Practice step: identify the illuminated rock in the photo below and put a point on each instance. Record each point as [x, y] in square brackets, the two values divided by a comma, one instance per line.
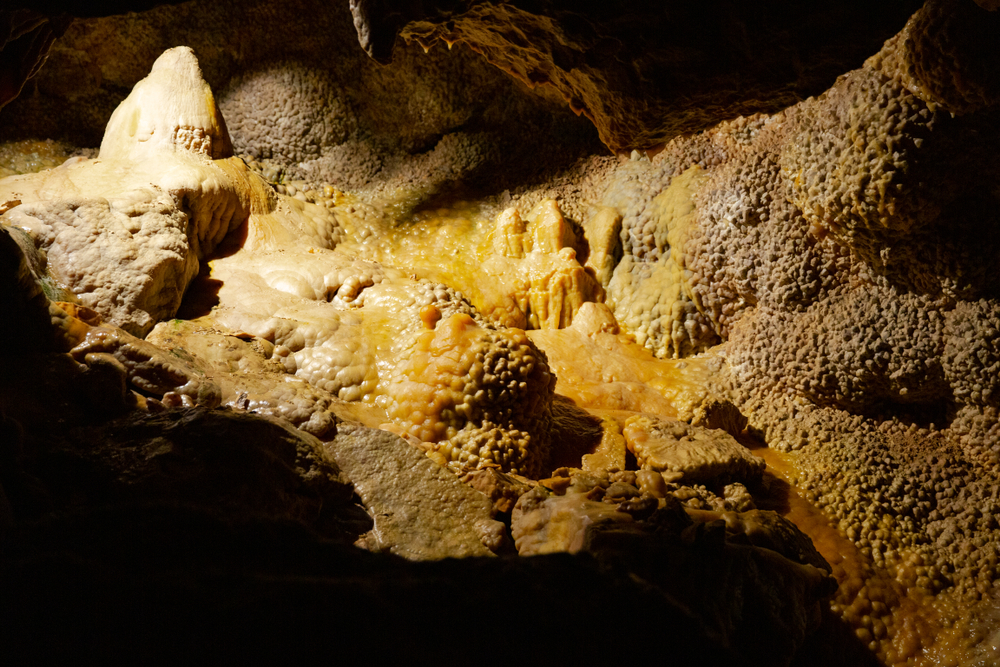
[821, 281]
[421, 511]
[699, 455]
[126, 232]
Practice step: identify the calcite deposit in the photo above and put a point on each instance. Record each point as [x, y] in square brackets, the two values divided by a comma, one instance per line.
[418, 310]
[125, 232]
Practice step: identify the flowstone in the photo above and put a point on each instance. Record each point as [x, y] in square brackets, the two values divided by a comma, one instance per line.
[614, 352]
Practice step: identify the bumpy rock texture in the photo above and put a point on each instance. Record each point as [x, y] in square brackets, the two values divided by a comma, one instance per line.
[125, 232]
[821, 281]
[845, 250]
[477, 397]
[617, 517]
[648, 72]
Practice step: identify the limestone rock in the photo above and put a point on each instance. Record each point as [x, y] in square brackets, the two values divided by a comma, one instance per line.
[655, 300]
[502, 489]
[601, 370]
[688, 553]
[544, 524]
[768, 530]
[125, 233]
[421, 511]
[477, 396]
[700, 455]
[603, 233]
[172, 109]
[286, 111]
[253, 380]
[537, 263]
[717, 413]
[610, 452]
[148, 368]
[613, 66]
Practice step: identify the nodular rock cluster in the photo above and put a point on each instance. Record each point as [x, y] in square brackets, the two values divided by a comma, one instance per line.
[822, 277]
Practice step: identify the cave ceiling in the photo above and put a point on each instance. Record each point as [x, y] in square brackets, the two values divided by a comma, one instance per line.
[642, 73]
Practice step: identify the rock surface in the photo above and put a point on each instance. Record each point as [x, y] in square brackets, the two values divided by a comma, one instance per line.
[699, 455]
[126, 232]
[712, 551]
[831, 267]
[614, 65]
[421, 511]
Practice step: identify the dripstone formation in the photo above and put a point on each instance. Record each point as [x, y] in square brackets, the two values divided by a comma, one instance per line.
[279, 299]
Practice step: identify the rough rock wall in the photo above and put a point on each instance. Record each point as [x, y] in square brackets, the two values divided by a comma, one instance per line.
[844, 249]
[343, 118]
[642, 74]
[648, 71]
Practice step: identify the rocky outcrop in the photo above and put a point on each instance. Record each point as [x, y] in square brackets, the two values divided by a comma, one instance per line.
[750, 555]
[421, 511]
[649, 72]
[821, 281]
[125, 233]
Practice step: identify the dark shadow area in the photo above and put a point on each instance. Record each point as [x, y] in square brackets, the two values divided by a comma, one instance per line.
[163, 585]
[834, 644]
[923, 415]
[202, 294]
[575, 433]
[772, 494]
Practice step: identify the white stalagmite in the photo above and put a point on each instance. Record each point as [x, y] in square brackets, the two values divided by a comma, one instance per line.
[126, 232]
[171, 110]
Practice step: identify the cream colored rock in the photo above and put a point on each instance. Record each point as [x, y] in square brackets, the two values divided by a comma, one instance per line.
[551, 232]
[171, 110]
[359, 331]
[253, 380]
[594, 318]
[126, 232]
[535, 265]
[603, 232]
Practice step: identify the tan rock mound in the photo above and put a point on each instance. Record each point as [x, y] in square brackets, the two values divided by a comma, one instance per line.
[701, 455]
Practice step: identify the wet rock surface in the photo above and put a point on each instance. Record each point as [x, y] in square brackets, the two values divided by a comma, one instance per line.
[818, 283]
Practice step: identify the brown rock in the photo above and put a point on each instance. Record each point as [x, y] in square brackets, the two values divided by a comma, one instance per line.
[501, 488]
[646, 72]
[233, 466]
[719, 413]
[421, 511]
[543, 524]
[702, 455]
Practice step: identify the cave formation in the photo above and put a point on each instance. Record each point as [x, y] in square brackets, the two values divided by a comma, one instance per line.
[672, 326]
